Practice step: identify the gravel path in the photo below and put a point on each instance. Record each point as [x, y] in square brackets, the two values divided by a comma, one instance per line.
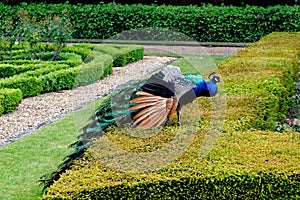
[36, 112]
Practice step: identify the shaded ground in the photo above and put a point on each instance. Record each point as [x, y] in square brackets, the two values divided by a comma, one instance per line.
[193, 50]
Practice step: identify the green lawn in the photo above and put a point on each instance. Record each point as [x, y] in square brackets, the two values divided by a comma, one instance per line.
[198, 64]
[24, 161]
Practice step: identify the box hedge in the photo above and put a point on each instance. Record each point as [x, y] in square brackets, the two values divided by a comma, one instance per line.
[9, 98]
[78, 76]
[34, 77]
[7, 70]
[47, 68]
[97, 69]
[263, 75]
[31, 86]
[230, 171]
[122, 55]
[80, 50]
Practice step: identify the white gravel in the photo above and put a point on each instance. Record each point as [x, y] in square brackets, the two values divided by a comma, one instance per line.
[36, 112]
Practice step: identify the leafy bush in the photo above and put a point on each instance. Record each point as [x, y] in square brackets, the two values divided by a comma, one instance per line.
[29, 31]
[9, 98]
[203, 23]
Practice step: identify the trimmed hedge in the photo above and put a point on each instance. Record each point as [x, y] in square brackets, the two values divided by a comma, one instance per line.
[44, 70]
[122, 55]
[262, 76]
[7, 70]
[78, 76]
[31, 86]
[230, 171]
[205, 23]
[98, 64]
[82, 51]
[9, 98]
[98, 68]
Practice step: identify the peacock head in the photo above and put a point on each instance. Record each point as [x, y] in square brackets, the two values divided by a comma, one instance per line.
[214, 79]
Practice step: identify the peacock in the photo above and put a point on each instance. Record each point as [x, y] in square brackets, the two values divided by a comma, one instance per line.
[141, 104]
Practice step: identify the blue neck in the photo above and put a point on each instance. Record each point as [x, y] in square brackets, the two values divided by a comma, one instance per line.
[207, 89]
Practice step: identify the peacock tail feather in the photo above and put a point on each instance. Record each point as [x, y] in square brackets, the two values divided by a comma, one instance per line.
[113, 110]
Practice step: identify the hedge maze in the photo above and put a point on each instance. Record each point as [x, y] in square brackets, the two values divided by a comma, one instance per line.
[76, 65]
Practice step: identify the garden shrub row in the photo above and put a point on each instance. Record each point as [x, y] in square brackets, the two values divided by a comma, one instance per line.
[205, 23]
[78, 76]
[262, 75]
[122, 54]
[245, 163]
[230, 171]
[68, 72]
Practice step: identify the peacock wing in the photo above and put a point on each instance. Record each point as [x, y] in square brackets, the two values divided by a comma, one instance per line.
[168, 82]
[152, 110]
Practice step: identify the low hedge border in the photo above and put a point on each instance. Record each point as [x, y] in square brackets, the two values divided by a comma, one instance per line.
[122, 54]
[31, 86]
[78, 76]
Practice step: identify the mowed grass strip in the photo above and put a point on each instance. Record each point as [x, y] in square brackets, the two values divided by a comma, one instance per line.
[24, 161]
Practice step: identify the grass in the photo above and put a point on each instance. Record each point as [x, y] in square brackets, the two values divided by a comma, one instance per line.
[24, 161]
[191, 64]
[194, 64]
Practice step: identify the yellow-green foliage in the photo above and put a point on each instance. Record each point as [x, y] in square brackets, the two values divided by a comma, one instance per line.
[259, 81]
[244, 162]
[241, 165]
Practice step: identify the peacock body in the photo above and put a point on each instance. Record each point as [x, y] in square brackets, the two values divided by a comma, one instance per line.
[141, 104]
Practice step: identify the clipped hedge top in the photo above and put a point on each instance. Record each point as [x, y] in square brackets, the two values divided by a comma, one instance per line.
[252, 153]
